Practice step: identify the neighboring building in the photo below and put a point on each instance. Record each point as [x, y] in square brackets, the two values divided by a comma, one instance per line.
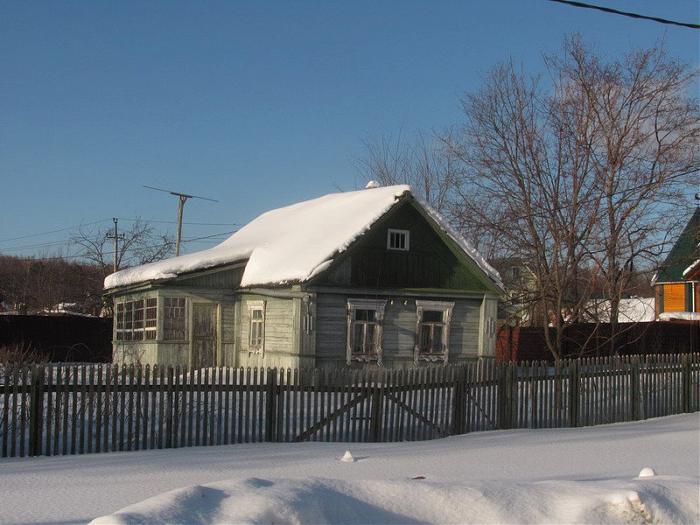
[677, 282]
[519, 306]
[630, 310]
[370, 277]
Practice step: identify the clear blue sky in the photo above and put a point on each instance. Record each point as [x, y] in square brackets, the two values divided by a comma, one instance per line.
[257, 104]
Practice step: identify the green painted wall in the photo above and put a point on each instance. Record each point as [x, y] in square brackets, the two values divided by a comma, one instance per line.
[432, 262]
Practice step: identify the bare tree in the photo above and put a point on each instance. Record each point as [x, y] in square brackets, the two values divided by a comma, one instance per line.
[644, 154]
[427, 163]
[422, 163]
[140, 244]
[527, 180]
[580, 179]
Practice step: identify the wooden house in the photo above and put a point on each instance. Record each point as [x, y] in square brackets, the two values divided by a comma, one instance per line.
[362, 278]
[677, 282]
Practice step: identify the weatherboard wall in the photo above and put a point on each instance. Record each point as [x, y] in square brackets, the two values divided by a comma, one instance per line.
[399, 329]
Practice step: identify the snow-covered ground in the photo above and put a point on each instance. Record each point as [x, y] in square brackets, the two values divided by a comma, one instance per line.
[522, 476]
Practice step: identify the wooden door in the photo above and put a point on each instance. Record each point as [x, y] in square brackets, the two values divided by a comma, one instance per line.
[203, 335]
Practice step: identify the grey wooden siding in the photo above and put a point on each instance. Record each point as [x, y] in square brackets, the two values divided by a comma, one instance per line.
[280, 337]
[464, 329]
[399, 330]
[331, 329]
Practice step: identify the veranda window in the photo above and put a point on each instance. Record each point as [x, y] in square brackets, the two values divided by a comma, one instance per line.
[432, 330]
[137, 320]
[174, 319]
[365, 330]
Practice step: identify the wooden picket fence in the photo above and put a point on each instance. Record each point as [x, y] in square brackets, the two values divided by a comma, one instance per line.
[61, 409]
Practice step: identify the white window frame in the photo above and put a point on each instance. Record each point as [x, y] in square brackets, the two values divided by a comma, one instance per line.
[256, 306]
[378, 305]
[184, 318]
[446, 308]
[407, 243]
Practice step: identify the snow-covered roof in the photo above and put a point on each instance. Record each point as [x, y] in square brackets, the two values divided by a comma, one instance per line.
[294, 243]
[691, 268]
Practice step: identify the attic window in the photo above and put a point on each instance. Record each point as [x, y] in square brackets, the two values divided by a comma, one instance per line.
[397, 240]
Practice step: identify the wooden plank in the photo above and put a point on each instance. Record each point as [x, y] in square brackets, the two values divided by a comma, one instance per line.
[182, 406]
[122, 408]
[261, 406]
[197, 412]
[6, 411]
[145, 434]
[49, 409]
[91, 409]
[106, 410]
[227, 405]
[169, 423]
[191, 380]
[248, 405]
[138, 415]
[130, 409]
[256, 419]
[57, 409]
[220, 406]
[154, 421]
[239, 394]
[66, 410]
[161, 424]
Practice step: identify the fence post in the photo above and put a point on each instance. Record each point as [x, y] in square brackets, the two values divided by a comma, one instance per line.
[685, 383]
[574, 384]
[36, 410]
[376, 418]
[635, 389]
[270, 409]
[458, 407]
[504, 396]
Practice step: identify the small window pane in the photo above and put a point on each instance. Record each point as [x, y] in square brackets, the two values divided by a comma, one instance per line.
[432, 316]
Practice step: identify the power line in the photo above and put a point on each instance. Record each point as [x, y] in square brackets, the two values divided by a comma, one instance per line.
[627, 13]
[128, 219]
[82, 256]
[54, 231]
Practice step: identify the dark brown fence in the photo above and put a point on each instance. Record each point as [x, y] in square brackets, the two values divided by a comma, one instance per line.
[59, 337]
[515, 343]
[48, 410]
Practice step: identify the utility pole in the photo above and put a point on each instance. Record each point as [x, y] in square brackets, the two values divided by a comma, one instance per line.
[180, 208]
[182, 199]
[115, 236]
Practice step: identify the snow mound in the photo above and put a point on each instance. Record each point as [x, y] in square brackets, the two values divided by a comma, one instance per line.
[270, 244]
[347, 457]
[647, 472]
[318, 500]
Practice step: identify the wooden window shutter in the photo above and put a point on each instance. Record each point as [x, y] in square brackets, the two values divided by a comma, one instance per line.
[674, 297]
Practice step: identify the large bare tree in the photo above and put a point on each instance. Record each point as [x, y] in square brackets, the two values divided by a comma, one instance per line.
[582, 174]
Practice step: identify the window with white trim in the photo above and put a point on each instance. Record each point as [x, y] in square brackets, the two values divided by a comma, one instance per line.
[365, 317]
[432, 330]
[137, 320]
[174, 319]
[398, 240]
[256, 336]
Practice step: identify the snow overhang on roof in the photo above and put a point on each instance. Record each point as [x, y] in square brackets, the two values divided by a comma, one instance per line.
[691, 268]
[294, 243]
